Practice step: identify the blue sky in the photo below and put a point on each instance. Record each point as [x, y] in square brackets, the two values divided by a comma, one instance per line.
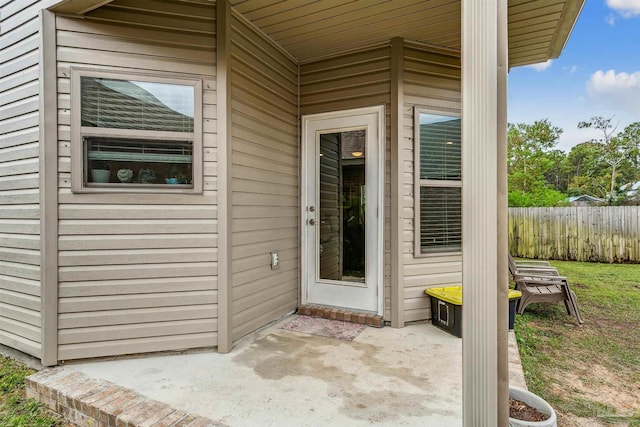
[597, 74]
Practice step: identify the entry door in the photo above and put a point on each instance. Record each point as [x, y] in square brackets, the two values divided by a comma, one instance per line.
[342, 213]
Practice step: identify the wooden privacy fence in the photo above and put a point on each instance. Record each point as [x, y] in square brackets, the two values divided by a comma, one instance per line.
[580, 233]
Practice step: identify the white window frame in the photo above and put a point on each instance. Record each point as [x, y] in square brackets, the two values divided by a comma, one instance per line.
[419, 183]
[78, 132]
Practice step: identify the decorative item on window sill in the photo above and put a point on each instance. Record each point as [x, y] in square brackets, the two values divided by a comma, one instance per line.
[177, 175]
[125, 175]
[100, 172]
[146, 176]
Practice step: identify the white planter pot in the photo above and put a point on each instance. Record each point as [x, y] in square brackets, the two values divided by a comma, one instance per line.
[100, 175]
[534, 401]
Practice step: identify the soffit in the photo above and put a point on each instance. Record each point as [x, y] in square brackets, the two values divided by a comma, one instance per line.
[311, 29]
[79, 7]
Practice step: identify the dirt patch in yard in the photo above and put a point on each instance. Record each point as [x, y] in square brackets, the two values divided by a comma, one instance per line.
[579, 286]
[598, 384]
[570, 420]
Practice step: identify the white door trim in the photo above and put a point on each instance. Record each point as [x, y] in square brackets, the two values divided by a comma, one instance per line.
[379, 111]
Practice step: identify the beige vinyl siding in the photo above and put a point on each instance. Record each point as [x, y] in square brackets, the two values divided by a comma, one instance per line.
[138, 272]
[20, 305]
[432, 82]
[264, 179]
[361, 79]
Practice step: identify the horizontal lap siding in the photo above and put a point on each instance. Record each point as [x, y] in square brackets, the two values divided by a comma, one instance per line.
[356, 80]
[19, 176]
[264, 180]
[138, 273]
[431, 81]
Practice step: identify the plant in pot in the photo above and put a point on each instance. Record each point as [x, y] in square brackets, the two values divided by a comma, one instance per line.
[100, 171]
[176, 175]
[527, 409]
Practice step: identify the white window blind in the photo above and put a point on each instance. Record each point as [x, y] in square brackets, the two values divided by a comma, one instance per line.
[440, 218]
[439, 184]
[440, 150]
[129, 104]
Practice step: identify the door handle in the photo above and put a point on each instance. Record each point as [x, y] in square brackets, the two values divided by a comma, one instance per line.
[312, 221]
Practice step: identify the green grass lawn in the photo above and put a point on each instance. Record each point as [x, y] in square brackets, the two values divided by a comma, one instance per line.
[15, 409]
[589, 373]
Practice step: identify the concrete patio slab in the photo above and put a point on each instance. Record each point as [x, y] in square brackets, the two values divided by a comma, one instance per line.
[386, 377]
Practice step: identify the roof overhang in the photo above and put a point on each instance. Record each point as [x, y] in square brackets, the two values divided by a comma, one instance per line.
[539, 29]
[308, 30]
[78, 7]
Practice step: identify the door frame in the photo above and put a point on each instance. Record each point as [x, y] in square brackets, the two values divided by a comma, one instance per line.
[379, 111]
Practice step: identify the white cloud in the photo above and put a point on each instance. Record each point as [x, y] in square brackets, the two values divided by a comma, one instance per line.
[611, 19]
[541, 66]
[616, 91]
[573, 69]
[572, 136]
[626, 8]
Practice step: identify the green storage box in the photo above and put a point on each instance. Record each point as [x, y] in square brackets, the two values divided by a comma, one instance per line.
[446, 308]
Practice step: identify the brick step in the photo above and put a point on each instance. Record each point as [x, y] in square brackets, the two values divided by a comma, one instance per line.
[88, 402]
[345, 315]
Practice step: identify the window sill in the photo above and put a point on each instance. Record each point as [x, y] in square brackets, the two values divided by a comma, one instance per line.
[438, 254]
[138, 188]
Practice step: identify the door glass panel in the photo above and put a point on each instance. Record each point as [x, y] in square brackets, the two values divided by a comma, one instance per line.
[341, 228]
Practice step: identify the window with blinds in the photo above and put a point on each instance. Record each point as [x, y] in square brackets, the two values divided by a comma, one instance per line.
[136, 132]
[131, 104]
[438, 184]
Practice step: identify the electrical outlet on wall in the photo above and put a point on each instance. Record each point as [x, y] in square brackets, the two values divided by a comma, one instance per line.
[275, 260]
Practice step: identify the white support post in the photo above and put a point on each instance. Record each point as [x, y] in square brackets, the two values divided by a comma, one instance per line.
[484, 300]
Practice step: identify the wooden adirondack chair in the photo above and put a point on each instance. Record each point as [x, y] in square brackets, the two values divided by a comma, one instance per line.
[531, 267]
[543, 284]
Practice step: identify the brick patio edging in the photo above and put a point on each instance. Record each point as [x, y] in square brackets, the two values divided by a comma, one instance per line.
[88, 402]
[331, 313]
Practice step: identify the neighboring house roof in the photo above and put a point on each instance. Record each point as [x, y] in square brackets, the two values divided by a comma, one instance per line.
[585, 198]
[538, 29]
[632, 188]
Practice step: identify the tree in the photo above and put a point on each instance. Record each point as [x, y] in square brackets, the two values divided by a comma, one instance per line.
[557, 175]
[530, 162]
[587, 173]
[542, 197]
[631, 138]
[614, 149]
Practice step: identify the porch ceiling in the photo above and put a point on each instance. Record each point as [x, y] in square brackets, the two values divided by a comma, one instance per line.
[311, 29]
